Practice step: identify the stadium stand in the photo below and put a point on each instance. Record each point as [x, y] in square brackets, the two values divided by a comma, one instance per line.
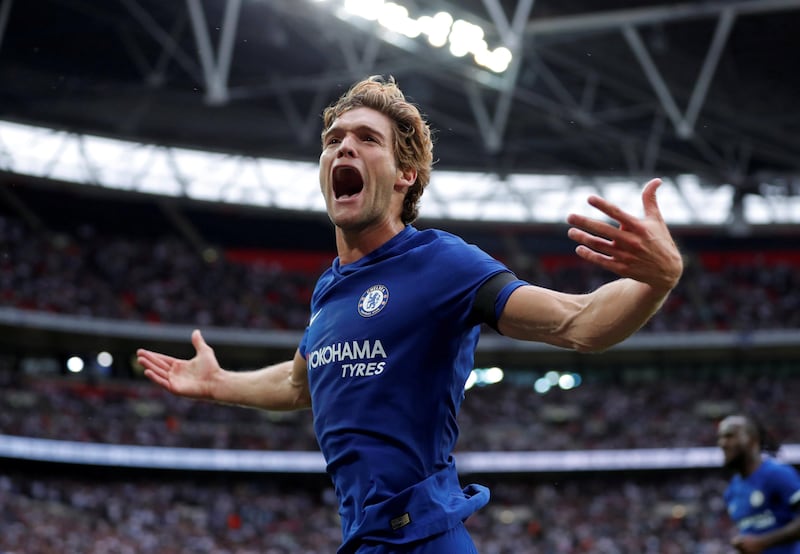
[137, 267]
[170, 513]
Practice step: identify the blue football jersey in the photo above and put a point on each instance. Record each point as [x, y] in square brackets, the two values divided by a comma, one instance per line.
[765, 500]
[389, 346]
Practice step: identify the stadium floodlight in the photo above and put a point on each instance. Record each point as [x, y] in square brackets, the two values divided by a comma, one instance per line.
[492, 375]
[368, 9]
[75, 364]
[463, 36]
[484, 376]
[566, 381]
[105, 359]
[542, 385]
[436, 28]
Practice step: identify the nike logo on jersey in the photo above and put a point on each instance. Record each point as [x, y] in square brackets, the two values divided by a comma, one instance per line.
[314, 316]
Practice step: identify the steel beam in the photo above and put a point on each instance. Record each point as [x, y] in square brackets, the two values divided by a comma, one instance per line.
[612, 20]
[215, 68]
[5, 10]
[698, 97]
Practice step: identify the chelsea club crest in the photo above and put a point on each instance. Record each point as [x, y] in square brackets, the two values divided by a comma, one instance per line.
[373, 300]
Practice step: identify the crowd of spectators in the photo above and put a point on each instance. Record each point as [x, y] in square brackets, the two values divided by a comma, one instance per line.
[129, 514]
[670, 410]
[167, 280]
[157, 281]
[133, 277]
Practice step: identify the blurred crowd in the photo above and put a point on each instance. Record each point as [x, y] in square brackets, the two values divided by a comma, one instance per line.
[166, 280]
[143, 280]
[129, 514]
[670, 410]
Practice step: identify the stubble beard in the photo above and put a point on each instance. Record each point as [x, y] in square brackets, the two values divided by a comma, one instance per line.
[355, 223]
[736, 463]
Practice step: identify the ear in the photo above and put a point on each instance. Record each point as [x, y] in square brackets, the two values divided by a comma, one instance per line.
[405, 178]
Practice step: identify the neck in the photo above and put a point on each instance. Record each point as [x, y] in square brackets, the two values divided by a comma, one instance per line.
[354, 244]
[751, 464]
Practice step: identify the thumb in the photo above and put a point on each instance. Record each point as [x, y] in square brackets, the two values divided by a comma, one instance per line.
[649, 200]
[197, 341]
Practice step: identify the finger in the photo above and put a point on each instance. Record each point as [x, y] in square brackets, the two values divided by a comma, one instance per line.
[155, 360]
[154, 372]
[157, 378]
[157, 367]
[649, 200]
[583, 225]
[591, 241]
[613, 211]
[602, 260]
[197, 341]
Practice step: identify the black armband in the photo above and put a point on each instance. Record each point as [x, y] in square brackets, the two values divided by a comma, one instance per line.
[483, 308]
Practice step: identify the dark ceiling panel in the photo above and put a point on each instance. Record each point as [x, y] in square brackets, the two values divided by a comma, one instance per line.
[582, 102]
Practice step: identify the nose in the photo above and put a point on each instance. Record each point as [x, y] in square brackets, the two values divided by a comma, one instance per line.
[346, 148]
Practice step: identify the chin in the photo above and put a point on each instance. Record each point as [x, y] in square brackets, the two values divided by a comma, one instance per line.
[346, 223]
[734, 464]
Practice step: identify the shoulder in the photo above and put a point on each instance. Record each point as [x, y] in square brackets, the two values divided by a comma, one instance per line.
[323, 282]
[446, 242]
[780, 472]
[429, 236]
[775, 465]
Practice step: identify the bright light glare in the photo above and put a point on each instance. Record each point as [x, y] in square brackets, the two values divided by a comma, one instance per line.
[471, 380]
[483, 377]
[368, 9]
[105, 359]
[395, 18]
[437, 28]
[75, 364]
[492, 375]
[464, 37]
[497, 60]
[542, 385]
[566, 381]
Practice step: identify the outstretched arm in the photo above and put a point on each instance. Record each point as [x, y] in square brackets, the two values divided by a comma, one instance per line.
[282, 386]
[640, 251]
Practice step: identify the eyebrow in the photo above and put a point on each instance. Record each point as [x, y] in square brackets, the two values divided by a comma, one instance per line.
[360, 128]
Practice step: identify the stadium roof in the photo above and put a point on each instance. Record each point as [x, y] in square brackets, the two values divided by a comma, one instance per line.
[602, 89]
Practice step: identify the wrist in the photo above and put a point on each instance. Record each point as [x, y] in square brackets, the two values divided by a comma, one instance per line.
[218, 386]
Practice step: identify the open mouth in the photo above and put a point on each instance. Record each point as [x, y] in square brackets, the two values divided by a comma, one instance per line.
[347, 182]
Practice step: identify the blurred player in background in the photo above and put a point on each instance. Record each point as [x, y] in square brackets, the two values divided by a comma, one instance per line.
[395, 320]
[763, 497]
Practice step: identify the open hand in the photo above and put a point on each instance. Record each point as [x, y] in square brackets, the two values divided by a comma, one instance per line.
[641, 249]
[191, 378]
